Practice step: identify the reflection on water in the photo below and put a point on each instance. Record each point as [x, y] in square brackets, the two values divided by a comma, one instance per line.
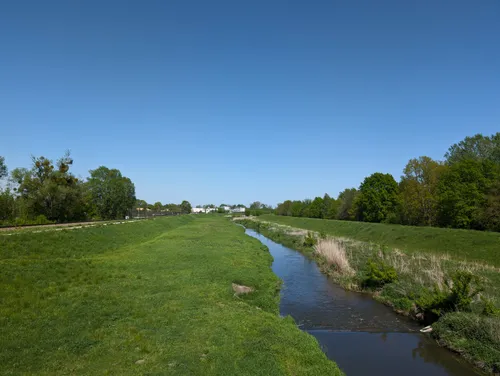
[362, 336]
[361, 353]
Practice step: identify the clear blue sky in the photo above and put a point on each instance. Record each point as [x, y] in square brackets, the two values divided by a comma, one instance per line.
[232, 101]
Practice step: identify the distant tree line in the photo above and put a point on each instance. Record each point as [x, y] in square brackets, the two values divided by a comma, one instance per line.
[143, 209]
[463, 191]
[48, 192]
[257, 208]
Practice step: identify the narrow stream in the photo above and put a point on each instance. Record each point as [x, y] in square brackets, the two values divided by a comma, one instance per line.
[361, 335]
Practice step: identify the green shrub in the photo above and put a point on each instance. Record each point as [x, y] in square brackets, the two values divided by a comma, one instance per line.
[434, 301]
[402, 304]
[463, 288]
[20, 221]
[310, 240]
[41, 220]
[489, 308]
[472, 335]
[400, 295]
[378, 273]
[392, 219]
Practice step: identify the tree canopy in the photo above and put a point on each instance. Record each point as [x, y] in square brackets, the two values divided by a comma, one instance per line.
[465, 191]
[377, 199]
[418, 188]
[185, 207]
[477, 147]
[3, 167]
[112, 195]
[50, 190]
[461, 192]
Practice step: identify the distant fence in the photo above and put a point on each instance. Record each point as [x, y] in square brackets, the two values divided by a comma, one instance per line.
[144, 214]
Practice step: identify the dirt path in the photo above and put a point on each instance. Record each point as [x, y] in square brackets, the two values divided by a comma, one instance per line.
[72, 224]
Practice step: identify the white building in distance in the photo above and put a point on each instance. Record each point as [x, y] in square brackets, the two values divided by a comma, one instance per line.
[238, 210]
[202, 210]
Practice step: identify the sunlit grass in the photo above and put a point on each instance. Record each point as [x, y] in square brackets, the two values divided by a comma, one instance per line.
[469, 245]
[150, 297]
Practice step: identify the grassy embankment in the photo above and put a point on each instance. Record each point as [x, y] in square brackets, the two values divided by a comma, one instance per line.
[424, 260]
[152, 297]
[460, 244]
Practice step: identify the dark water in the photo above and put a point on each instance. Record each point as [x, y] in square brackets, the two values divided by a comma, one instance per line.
[362, 336]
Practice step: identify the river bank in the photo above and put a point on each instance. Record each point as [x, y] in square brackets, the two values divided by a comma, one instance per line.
[472, 334]
[361, 335]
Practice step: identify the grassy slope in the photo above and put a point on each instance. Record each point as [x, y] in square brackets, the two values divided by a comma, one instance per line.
[462, 244]
[97, 300]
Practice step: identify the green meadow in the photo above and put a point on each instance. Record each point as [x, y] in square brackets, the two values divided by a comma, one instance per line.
[146, 298]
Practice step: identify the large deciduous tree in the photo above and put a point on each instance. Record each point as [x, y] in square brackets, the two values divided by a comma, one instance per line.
[315, 209]
[378, 198]
[418, 188]
[330, 207]
[345, 204]
[255, 205]
[50, 190]
[465, 191]
[112, 195]
[477, 147]
[284, 208]
[297, 208]
[490, 217]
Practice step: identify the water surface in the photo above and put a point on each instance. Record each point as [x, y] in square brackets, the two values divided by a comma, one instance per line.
[361, 335]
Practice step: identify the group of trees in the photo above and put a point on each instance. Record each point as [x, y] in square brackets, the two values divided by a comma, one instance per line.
[159, 209]
[257, 208]
[463, 191]
[50, 192]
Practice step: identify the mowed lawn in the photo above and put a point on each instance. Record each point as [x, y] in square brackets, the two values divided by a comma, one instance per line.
[467, 245]
[146, 298]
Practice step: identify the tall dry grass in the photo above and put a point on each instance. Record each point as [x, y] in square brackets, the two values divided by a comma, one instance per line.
[335, 255]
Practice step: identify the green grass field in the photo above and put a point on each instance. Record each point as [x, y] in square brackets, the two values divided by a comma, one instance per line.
[460, 244]
[152, 297]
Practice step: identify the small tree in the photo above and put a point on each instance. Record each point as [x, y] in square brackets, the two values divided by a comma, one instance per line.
[157, 206]
[112, 195]
[256, 205]
[185, 207]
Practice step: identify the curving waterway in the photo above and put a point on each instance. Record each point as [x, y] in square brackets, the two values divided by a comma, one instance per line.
[362, 336]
